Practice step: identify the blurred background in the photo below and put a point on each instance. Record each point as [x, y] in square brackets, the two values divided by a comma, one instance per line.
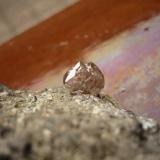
[18, 15]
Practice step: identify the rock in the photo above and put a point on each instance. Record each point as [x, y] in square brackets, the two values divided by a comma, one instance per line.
[52, 124]
[84, 78]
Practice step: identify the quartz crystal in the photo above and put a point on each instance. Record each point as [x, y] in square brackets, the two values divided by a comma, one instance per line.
[84, 78]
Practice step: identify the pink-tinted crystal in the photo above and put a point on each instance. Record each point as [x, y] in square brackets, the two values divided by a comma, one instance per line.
[84, 78]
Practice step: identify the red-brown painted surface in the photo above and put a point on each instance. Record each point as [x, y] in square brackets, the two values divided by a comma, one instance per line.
[62, 39]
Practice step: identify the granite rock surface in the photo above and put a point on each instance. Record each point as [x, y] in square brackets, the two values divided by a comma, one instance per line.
[54, 125]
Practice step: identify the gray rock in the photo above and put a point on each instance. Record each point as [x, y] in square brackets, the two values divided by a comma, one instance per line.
[52, 124]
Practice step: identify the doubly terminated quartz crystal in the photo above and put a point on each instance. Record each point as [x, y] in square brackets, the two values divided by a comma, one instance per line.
[84, 78]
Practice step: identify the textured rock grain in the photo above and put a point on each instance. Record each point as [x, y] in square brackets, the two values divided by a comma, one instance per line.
[52, 124]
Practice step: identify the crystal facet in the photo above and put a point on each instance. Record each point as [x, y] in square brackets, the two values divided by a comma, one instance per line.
[84, 78]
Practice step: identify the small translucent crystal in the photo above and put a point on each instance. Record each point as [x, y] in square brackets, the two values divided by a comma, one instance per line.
[84, 78]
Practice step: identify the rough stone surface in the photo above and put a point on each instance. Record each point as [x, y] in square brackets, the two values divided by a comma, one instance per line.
[52, 124]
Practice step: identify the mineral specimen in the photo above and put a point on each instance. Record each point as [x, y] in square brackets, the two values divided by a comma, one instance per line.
[84, 78]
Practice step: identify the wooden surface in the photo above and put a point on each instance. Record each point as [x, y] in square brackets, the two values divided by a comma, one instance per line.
[66, 36]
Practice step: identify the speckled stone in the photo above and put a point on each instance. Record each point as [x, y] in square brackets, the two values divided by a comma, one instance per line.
[54, 125]
[84, 78]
